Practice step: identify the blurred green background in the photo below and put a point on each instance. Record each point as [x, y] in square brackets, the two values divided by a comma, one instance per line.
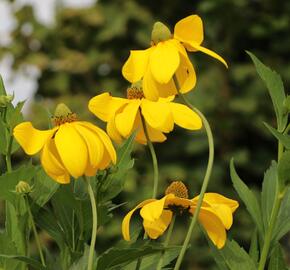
[81, 54]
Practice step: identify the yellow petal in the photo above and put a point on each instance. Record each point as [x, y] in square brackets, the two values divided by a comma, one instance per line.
[185, 75]
[52, 163]
[164, 61]
[157, 115]
[135, 66]
[125, 120]
[127, 219]
[213, 226]
[104, 106]
[155, 135]
[185, 203]
[185, 117]
[215, 198]
[209, 52]
[152, 89]
[189, 29]
[72, 149]
[113, 132]
[31, 139]
[94, 145]
[104, 139]
[156, 228]
[152, 211]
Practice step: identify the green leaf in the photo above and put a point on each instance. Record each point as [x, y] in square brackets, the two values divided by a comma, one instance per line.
[4, 137]
[247, 197]
[283, 138]
[82, 263]
[283, 221]
[270, 188]
[2, 87]
[232, 257]
[33, 263]
[275, 87]
[284, 168]
[277, 261]
[114, 183]
[118, 257]
[254, 248]
[43, 188]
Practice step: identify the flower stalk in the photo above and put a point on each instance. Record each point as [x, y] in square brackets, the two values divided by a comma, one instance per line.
[95, 224]
[205, 180]
[30, 216]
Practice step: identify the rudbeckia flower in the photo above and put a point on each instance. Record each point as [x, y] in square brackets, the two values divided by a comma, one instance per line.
[123, 116]
[72, 147]
[167, 57]
[157, 214]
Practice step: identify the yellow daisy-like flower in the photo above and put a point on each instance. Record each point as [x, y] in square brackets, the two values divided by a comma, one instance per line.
[123, 116]
[216, 213]
[72, 147]
[168, 57]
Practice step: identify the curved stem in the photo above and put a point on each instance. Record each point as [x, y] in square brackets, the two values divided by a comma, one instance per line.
[154, 159]
[34, 231]
[166, 243]
[205, 180]
[95, 224]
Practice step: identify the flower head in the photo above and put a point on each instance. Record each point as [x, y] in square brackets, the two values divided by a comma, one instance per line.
[215, 214]
[167, 57]
[123, 116]
[72, 147]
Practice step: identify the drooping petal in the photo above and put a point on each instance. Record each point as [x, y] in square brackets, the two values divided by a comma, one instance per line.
[94, 145]
[189, 29]
[154, 134]
[164, 61]
[213, 226]
[156, 228]
[185, 75]
[135, 66]
[113, 132]
[157, 115]
[215, 198]
[127, 219]
[197, 47]
[152, 211]
[125, 120]
[104, 138]
[52, 163]
[72, 149]
[104, 105]
[152, 89]
[31, 139]
[185, 117]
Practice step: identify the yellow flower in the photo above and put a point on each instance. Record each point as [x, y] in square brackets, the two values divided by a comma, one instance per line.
[215, 213]
[123, 116]
[167, 57]
[72, 147]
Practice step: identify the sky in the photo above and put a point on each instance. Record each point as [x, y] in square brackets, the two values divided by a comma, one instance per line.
[23, 83]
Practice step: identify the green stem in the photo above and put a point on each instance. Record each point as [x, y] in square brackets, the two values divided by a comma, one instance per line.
[95, 224]
[268, 236]
[8, 154]
[166, 243]
[154, 159]
[34, 231]
[205, 180]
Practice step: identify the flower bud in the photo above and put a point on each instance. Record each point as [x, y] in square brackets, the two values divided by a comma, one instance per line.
[63, 114]
[23, 188]
[160, 32]
[5, 100]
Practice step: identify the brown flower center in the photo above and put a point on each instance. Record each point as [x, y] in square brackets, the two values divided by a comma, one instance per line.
[63, 115]
[178, 189]
[135, 93]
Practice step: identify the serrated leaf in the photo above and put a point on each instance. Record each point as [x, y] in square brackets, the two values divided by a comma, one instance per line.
[232, 257]
[270, 189]
[283, 138]
[284, 168]
[283, 221]
[275, 87]
[248, 198]
[277, 261]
